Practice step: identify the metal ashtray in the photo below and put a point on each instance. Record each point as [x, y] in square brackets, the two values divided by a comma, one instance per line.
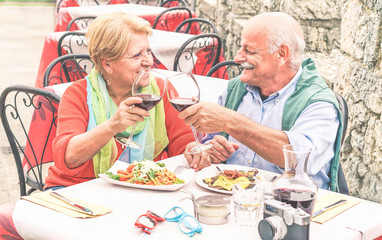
[213, 209]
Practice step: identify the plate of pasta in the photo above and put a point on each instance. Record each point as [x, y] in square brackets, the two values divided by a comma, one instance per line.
[146, 174]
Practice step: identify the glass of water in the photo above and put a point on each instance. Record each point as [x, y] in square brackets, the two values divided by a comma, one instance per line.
[248, 199]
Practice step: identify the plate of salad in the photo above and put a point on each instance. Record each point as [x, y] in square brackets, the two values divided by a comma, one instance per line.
[146, 174]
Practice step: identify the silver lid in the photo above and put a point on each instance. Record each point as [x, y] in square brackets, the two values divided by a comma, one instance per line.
[214, 200]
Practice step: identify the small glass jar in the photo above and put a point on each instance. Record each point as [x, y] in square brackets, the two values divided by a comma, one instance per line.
[213, 209]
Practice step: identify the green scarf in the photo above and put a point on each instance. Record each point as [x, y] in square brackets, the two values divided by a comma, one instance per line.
[102, 107]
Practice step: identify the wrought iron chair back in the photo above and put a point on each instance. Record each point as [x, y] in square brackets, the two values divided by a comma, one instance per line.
[225, 70]
[72, 43]
[196, 26]
[67, 68]
[80, 23]
[173, 3]
[29, 118]
[170, 18]
[146, 2]
[201, 52]
[342, 184]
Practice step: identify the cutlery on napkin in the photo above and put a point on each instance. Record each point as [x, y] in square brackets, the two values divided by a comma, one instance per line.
[45, 199]
[329, 199]
[330, 206]
[71, 203]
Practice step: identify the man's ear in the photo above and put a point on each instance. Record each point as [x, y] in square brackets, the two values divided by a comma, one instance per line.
[283, 52]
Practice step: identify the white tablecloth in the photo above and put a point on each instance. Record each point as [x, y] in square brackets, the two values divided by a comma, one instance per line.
[210, 88]
[36, 222]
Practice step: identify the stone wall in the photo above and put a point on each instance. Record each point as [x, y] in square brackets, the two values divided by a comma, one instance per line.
[344, 38]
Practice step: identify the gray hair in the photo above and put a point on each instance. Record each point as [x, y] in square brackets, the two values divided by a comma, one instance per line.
[279, 35]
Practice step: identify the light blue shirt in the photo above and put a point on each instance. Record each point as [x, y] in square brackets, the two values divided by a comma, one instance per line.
[316, 128]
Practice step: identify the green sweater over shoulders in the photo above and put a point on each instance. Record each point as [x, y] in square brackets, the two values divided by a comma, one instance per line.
[310, 88]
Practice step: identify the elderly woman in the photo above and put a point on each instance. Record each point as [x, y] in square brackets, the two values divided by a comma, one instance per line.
[94, 110]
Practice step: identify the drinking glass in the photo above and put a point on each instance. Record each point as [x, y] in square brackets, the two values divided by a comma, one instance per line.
[248, 199]
[149, 98]
[185, 93]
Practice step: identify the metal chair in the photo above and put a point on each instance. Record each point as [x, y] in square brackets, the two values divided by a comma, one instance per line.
[72, 43]
[198, 54]
[80, 23]
[145, 2]
[173, 3]
[342, 185]
[68, 68]
[225, 70]
[196, 26]
[170, 18]
[29, 117]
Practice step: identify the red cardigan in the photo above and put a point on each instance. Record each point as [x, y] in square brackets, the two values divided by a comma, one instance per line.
[73, 117]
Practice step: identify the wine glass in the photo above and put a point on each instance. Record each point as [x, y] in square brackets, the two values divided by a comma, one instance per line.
[183, 91]
[150, 98]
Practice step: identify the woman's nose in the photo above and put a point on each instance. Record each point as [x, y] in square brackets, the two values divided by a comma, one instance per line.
[147, 60]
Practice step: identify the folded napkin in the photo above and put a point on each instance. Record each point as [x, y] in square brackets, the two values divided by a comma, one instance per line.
[46, 200]
[329, 199]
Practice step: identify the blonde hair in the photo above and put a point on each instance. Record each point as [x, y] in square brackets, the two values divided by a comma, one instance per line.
[109, 35]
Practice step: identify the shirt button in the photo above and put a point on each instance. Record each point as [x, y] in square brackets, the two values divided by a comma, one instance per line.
[277, 100]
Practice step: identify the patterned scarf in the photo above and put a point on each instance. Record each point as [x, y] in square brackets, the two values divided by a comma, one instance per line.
[150, 133]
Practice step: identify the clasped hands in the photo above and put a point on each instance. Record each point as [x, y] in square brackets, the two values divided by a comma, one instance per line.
[209, 118]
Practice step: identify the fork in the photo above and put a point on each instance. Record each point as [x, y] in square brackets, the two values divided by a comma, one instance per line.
[179, 169]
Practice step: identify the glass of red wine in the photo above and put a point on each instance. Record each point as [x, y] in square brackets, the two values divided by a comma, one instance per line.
[183, 91]
[150, 98]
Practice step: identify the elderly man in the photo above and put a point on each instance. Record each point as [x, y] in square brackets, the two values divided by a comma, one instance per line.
[278, 99]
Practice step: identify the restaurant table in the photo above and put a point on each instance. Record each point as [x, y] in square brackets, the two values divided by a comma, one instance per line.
[210, 88]
[32, 221]
[64, 15]
[164, 45]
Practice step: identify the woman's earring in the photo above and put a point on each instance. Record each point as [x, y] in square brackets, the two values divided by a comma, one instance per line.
[108, 82]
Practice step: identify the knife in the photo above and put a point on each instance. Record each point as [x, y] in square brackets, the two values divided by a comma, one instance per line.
[333, 205]
[77, 206]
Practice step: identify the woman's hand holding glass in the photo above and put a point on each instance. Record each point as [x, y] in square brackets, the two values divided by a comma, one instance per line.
[127, 115]
[148, 100]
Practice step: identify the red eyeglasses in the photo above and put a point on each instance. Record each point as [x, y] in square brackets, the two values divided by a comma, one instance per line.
[148, 221]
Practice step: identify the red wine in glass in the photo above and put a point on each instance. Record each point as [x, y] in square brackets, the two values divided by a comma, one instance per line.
[302, 199]
[182, 103]
[148, 101]
[143, 80]
[183, 92]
